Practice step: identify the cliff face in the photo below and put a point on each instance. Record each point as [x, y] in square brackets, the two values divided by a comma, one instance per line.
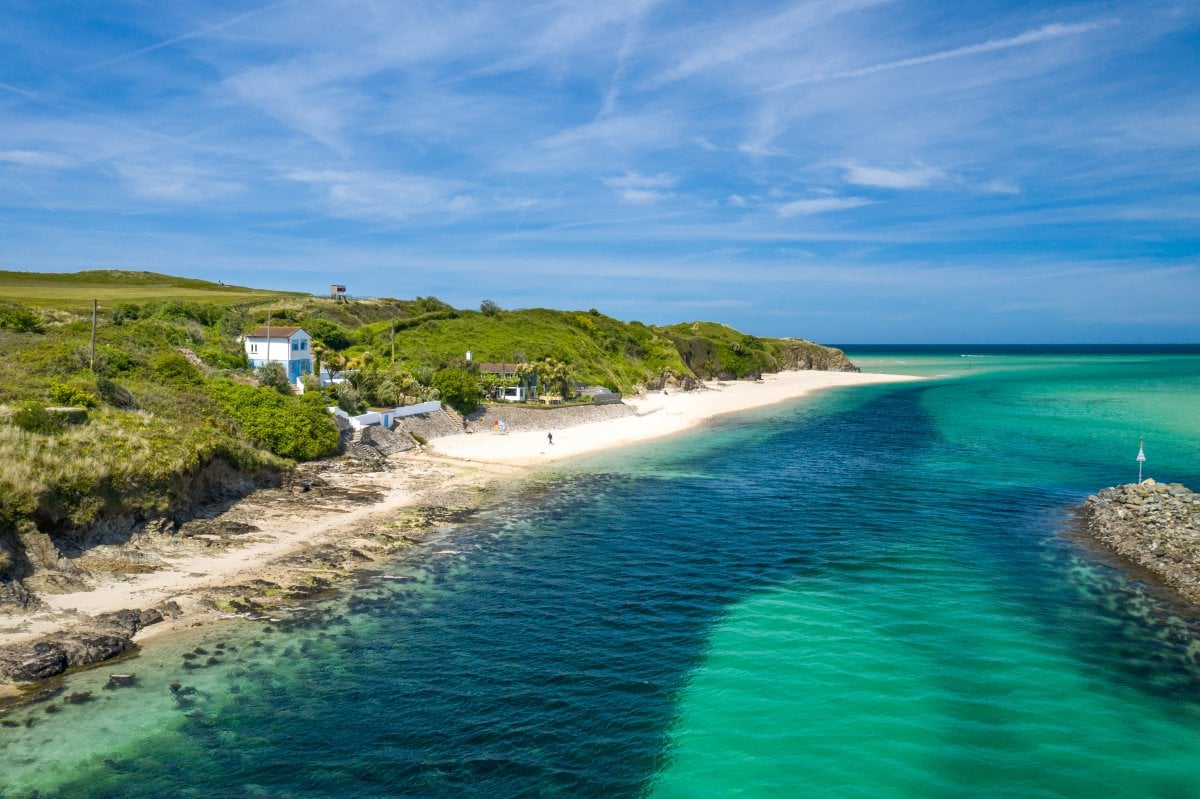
[800, 354]
[55, 557]
[1157, 526]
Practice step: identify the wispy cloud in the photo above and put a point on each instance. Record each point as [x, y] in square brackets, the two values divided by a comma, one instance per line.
[384, 196]
[1030, 37]
[639, 189]
[35, 158]
[193, 34]
[175, 183]
[821, 205]
[917, 177]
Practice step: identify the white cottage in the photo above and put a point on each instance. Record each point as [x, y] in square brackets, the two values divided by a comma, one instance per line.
[289, 346]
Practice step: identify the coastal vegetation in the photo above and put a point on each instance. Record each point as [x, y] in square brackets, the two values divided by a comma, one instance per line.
[123, 426]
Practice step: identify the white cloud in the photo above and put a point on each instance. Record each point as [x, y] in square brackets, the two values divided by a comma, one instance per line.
[386, 196]
[1000, 186]
[918, 177]
[177, 183]
[1042, 34]
[759, 36]
[35, 158]
[637, 189]
[821, 205]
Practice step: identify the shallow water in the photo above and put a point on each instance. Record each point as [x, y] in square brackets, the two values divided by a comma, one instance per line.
[864, 594]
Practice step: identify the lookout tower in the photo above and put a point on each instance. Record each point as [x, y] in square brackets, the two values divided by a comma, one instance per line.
[338, 292]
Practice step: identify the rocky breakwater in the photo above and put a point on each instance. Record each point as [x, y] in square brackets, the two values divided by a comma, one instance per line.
[1155, 525]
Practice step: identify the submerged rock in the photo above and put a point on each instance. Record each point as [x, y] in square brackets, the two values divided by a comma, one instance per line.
[1157, 526]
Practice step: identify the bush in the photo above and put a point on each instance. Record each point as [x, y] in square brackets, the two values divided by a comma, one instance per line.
[175, 370]
[115, 395]
[327, 333]
[459, 389]
[222, 359]
[348, 398]
[124, 312]
[297, 427]
[489, 308]
[71, 396]
[20, 318]
[33, 418]
[272, 375]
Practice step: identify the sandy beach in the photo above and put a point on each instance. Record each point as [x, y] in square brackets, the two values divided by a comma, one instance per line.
[658, 414]
[355, 517]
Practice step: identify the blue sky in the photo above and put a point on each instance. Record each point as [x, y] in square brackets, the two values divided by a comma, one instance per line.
[842, 170]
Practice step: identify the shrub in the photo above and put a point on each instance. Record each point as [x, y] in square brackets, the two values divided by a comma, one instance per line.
[33, 418]
[297, 427]
[113, 394]
[69, 395]
[348, 398]
[327, 333]
[124, 312]
[273, 376]
[222, 359]
[489, 308]
[20, 318]
[459, 389]
[175, 370]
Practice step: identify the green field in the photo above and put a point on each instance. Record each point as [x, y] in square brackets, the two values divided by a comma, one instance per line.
[74, 291]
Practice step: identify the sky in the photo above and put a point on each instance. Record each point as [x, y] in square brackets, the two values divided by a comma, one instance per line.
[847, 171]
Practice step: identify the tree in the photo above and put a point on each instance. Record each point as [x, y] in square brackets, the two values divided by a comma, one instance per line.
[489, 308]
[459, 389]
[554, 375]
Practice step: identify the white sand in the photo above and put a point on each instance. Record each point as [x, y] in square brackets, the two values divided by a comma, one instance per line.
[658, 415]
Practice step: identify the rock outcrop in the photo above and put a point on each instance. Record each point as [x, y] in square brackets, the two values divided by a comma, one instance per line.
[104, 637]
[1155, 525]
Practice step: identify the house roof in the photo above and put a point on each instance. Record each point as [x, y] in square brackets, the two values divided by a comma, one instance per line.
[498, 368]
[277, 331]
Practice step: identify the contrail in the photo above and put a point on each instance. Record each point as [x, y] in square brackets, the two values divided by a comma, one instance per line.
[191, 35]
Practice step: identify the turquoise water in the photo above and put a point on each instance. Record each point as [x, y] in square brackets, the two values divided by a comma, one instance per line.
[875, 592]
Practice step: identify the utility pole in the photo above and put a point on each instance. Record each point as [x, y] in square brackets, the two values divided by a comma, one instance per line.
[92, 350]
[393, 341]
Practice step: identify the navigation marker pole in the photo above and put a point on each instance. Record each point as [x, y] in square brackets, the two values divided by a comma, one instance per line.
[1141, 458]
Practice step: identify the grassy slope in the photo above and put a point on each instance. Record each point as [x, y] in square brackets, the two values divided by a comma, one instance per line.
[74, 291]
[598, 349]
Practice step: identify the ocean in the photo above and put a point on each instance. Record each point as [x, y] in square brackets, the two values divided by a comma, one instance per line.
[873, 592]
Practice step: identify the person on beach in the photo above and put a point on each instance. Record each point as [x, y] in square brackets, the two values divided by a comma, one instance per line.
[550, 437]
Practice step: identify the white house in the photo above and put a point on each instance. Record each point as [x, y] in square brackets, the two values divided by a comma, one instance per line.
[513, 389]
[289, 346]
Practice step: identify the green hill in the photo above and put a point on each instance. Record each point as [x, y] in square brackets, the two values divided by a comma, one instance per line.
[74, 291]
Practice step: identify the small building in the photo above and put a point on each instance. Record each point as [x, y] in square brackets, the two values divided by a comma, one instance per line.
[512, 388]
[337, 292]
[289, 346]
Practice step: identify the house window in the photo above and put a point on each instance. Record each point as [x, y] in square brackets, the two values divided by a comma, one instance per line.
[303, 344]
[253, 349]
[295, 346]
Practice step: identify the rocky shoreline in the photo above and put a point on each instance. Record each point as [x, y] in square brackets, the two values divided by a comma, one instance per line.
[1154, 525]
[48, 637]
